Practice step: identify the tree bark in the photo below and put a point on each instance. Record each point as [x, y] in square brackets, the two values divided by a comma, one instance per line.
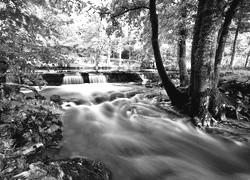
[204, 56]
[197, 28]
[181, 55]
[234, 44]
[176, 97]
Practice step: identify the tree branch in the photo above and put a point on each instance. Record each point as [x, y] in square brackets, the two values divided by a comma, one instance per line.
[128, 10]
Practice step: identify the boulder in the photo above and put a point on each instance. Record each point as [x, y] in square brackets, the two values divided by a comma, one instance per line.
[56, 99]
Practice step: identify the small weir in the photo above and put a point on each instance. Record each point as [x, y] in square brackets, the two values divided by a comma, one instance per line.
[78, 79]
[97, 78]
[73, 79]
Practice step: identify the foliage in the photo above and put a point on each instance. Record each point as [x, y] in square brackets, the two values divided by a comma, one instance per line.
[30, 34]
[135, 13]
[26, 125]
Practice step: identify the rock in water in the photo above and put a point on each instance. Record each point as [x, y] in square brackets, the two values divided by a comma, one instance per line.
[56, 99]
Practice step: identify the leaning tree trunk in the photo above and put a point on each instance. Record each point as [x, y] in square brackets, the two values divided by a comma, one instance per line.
[176, 97]
[203, 60]
[223, 38]
[216, 106]
[181, 55]
[234, 44]
[196, 33]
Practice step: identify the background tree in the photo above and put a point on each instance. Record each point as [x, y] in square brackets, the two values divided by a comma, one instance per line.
[172, 25]
[27, 36]
[242, 25]
[181, 55]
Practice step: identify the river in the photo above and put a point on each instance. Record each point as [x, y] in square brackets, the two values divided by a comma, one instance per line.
[136, 140]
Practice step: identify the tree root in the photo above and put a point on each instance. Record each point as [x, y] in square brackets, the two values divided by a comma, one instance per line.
[204, 120]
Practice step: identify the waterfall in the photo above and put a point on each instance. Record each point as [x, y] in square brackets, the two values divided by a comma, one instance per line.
[73, 79]
[97, 78]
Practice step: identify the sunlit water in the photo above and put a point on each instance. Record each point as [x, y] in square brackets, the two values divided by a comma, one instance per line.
[138, 141]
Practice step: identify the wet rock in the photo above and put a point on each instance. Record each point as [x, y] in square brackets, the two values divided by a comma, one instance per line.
[77, 168]
[116, 95]
[56, 99]
[99, 97]
[130, 94]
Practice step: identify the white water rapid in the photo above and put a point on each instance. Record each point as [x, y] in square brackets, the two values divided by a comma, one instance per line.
[138, 141]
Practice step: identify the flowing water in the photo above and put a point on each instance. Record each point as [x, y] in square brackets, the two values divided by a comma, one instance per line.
[77, 79]
[138, 141]
[97, 78]
[73, 79]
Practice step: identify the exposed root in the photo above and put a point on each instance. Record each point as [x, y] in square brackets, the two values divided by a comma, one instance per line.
[205, 119]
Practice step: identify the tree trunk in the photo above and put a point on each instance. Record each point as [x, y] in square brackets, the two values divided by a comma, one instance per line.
[248, 54]
[216, 106]
[120, 52]
[176, 97]
[205, 93]
[234, 44]
[109, 54]
[197, 28]
[181, 55]
[203, 58]
[223, 38]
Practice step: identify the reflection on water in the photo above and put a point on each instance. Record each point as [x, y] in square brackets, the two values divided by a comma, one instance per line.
[138, 141]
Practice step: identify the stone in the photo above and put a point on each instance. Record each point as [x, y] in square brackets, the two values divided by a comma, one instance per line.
[56, 99]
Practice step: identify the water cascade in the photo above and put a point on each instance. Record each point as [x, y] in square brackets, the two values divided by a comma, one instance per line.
[72, 79]
[137, 140]
[97, 78]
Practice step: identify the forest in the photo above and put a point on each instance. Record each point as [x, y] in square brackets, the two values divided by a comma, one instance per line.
[206, 43]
